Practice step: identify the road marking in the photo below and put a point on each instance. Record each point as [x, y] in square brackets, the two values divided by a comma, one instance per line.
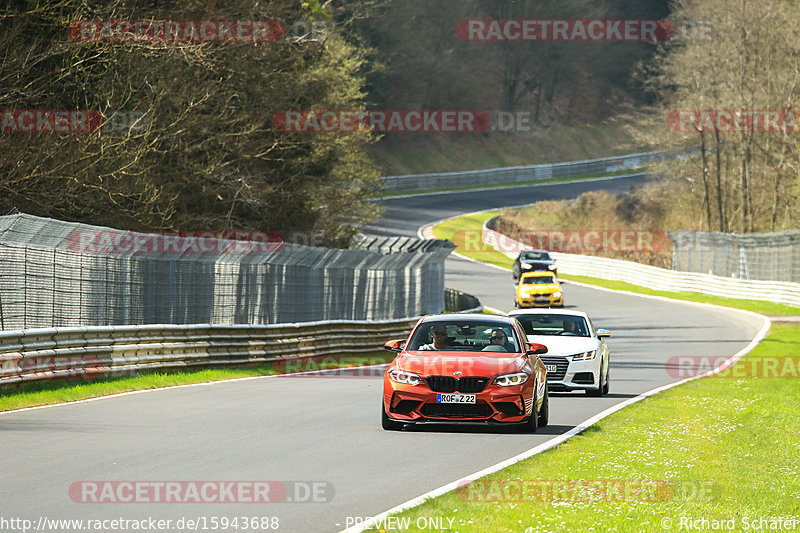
[173, 387]
[552, 443]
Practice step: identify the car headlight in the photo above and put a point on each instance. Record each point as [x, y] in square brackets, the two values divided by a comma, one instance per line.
[509, 380]
[557, 294]
[585, 356]
[526, 266]
[551, 267]
[407, 378]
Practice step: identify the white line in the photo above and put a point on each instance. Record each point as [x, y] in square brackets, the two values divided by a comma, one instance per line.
[552, 443]
[173, 387]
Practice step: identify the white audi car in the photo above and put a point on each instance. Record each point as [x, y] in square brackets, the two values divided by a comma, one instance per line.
[577, 355]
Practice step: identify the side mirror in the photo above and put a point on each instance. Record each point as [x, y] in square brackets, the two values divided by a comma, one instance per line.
[603, 333]
[534, 348]
[395, 346]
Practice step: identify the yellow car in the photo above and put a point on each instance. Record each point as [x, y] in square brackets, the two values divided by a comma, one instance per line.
[539, 289]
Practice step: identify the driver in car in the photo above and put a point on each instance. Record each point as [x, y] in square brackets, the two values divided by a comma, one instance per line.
[439, 339]
[499, 338]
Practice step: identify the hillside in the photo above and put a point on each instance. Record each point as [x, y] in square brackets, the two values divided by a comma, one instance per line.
[558, 100]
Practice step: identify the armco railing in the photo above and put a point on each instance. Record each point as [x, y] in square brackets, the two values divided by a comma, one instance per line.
[62, 274]
[457, 301]
[654, 277]
[494, 176]
[83, 352]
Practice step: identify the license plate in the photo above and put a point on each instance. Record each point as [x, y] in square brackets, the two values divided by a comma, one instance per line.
[551, 368]
[455, 398]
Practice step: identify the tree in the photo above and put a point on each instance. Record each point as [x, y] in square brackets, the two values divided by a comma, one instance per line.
[202, 152]
[733, 56]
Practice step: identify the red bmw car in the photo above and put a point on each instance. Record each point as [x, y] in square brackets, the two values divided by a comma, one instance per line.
[464, 368]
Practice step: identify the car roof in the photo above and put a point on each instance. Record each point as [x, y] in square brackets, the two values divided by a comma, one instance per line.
[467, 317]
[538, 273]
[547, 311]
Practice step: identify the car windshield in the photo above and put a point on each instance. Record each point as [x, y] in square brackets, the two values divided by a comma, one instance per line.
[554, 324]
[537, 280]
[534, 256]
[465, 337]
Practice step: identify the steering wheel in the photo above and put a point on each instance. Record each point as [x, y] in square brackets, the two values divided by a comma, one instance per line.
[494, 348]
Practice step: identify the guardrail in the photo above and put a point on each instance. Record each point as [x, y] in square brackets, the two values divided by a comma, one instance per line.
[457, 301]
[654, 277]
[495, 176]
[62, 274]
[85, 352]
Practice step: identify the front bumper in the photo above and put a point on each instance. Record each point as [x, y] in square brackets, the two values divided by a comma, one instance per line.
[540, 300]
[412, 404]
[572, 375]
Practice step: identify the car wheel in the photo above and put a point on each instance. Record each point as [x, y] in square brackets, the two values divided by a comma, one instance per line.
[532, 424]
[387, 423]
[516, 304]
[607, 386]
[544, 412]
[602, 387]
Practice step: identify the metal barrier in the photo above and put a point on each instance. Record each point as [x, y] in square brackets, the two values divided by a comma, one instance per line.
[85, 352]
[457, 301]
[763, 256]
[530, 173]
[61, 274]
[654, 277]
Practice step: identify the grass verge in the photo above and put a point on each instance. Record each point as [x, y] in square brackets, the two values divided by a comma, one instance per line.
[715, 453]
[52, 392]
[718, 448]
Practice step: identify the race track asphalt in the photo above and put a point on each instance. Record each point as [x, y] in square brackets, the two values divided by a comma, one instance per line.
[326, 429]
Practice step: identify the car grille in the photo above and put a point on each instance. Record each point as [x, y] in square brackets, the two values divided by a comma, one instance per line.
[471, 410]
[508, 408]
[404, 406]
[561, 365]
[448, 384]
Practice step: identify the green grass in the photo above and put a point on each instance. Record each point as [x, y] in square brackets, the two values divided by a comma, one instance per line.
[748, 305]
[465, 233]
[32, 394]
[513, 183]
[718, 448]
[715, 448]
